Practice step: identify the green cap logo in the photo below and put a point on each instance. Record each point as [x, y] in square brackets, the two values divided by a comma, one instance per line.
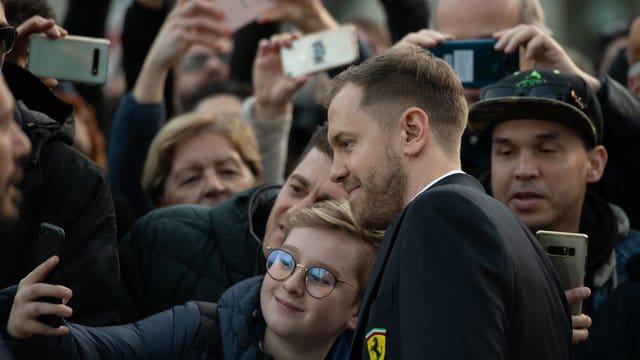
[534, 78]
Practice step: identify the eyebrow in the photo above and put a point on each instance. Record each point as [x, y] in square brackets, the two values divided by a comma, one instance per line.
[301, 179]
[337, 137]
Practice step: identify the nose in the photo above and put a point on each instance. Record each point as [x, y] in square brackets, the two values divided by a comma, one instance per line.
[527, 167]
[294, 284]
[20, 141]
[213, 185]
[339, 171]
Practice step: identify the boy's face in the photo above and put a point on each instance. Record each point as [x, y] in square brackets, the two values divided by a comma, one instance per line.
[290, 312]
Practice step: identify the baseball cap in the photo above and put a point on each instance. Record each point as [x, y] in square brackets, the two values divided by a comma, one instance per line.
[540, 95]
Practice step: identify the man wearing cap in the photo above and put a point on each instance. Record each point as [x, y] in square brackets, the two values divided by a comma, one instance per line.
[546, 131]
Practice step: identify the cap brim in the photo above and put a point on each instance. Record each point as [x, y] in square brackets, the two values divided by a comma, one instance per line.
[484, 115]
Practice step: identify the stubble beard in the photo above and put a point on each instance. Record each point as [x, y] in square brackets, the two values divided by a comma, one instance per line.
[383, 193]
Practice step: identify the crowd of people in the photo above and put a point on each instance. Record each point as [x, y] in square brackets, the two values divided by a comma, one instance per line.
[376, 210]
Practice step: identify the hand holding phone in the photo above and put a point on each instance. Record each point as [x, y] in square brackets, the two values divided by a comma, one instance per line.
[50, 243]
[568, 254]
[23, 322]
[320, 51]
[476, 61]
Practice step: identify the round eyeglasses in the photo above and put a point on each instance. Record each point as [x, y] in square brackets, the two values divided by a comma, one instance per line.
[318, 281]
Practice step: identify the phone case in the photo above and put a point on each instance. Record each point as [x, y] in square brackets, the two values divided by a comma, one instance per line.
[476, 61]
[568, 254]
[320, 51]
[51, 242]
[71, 58]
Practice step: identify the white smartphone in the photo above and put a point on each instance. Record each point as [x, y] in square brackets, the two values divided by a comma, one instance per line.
[568, 254]
[320, 51]
[71, 58]
[239, 13]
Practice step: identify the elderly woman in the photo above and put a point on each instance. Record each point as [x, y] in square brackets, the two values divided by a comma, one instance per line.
[201, 159]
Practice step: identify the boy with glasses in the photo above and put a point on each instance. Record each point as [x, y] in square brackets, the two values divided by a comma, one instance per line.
[301, 309]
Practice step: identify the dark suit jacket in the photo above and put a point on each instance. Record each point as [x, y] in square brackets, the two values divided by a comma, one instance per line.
[459, 277]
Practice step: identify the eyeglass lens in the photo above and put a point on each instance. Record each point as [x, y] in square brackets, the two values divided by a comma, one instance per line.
[319, 281]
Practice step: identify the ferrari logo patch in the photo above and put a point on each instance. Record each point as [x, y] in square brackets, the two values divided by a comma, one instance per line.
[376, 343]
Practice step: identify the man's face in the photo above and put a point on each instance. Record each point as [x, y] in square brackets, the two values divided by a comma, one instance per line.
[290, 312]
[308, 183]
[540, 170]
[14, 146]
[474, 19]
[365, 161]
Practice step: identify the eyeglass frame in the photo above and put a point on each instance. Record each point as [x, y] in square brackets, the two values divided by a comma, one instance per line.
[270, 250]
[13, 31]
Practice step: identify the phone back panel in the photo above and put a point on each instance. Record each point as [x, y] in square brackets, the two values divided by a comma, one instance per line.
[320, 51]
[72, 58]
[568, 254]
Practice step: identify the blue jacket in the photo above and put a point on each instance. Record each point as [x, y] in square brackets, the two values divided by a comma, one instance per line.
[185, 331]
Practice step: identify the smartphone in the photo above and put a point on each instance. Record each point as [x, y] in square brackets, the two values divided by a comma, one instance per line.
[51, 242]
[71, 58]
[320, 51]
[568, 254]
[476, 61]
[239, 13]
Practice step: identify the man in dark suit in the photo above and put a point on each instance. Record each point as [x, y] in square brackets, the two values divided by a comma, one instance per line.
[458, 276]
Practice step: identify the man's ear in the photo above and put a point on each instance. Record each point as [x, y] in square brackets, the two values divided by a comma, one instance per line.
[415, 130]
[353, 320]
[597, 161]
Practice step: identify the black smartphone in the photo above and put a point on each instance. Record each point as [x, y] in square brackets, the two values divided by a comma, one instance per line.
[476, 61]
[51, 242]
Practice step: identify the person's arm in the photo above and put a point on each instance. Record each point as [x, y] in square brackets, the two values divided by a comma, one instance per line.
[134, 127]
[142, 22]
[270, 110]
[168, 335]
[453, 282]
[621, 123]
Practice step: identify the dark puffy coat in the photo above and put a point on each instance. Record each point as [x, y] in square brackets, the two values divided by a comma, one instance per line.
[192, 252]
[62, 187]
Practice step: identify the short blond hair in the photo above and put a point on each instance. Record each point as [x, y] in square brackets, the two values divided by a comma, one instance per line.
[160, 155]
[336, 215]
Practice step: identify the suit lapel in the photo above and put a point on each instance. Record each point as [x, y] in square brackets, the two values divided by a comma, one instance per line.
[383, 255]
[374, 283]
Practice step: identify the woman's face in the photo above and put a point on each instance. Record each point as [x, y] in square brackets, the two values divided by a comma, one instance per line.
[206, 170]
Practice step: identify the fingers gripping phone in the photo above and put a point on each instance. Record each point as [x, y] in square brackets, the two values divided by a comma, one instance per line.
[72, 58]
[568, 254]
[51, 242]
[476, 61]
[320, 51]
